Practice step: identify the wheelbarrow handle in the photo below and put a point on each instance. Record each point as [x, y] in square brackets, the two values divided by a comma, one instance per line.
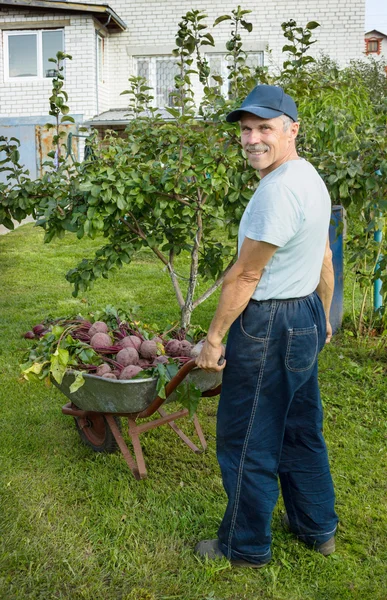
[169, 388]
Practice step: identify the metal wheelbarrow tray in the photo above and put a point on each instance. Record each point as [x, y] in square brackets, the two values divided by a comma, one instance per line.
[98, 405]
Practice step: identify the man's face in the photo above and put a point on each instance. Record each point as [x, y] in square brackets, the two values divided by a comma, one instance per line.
[266, 142]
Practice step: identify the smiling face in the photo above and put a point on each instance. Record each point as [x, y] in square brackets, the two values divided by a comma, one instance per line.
[268, 143]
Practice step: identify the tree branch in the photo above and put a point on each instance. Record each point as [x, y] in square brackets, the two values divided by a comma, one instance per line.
[175, 282]
[185, 202]
[142, 235]
[214, 286]
[188, 306]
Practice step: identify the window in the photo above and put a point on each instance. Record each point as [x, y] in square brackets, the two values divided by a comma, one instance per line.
[218, 65]
[26, 53]
[159, 71]
[100, 57]
[373, 46]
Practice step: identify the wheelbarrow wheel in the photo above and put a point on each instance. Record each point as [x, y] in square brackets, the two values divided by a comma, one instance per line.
[95, 432]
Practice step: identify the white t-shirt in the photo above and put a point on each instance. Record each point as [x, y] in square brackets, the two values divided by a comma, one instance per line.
[291, 209]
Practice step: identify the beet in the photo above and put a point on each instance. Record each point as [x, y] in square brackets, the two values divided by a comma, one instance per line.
[127, 356]
[109, 376]
[157, 339]
[161, 359]
[148, 349]
[29, 335]
[38, 329]
[98, 327]
[130, 372]
[144, 363]
[185, 348]
[103, 369]
[100, 340]
[173, 348]
[130, 341]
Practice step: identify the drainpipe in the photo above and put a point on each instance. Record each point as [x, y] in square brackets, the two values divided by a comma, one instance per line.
[378, 300]
[96, 72]
[96, 57]
[378, 236]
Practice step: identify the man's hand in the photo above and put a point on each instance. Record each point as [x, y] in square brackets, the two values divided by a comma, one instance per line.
[209, 357]
[326, 286]
[329, 333]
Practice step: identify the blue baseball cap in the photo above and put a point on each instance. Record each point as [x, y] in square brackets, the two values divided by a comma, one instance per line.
[267, 102]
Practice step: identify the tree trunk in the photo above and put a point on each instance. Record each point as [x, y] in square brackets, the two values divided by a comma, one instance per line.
[193, 275]
[186, 313]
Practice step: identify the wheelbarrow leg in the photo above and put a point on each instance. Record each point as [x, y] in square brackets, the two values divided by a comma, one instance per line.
[135, 439]
[182, 435]
[199, 431]
[138, 474]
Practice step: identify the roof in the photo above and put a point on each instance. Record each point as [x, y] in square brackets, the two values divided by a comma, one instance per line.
[118, 116]
[101, 11]
[376, 31]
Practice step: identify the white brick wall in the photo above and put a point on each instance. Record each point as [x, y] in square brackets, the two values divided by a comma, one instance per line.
[26, 98]
[153, 23]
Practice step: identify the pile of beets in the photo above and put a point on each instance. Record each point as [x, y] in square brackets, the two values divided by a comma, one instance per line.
[124, 352]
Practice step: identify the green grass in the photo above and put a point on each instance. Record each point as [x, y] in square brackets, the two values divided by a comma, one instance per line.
[76, 525]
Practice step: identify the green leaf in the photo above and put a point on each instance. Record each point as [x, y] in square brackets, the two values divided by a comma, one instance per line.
[77, 383]
[220, 19]
[312, 25]
[189, 396]
[57, 331]
[59, 362]
[95, 191]
[175, 112]
[343, 190]
[291, 49]
[209, 37]
[121, 204]
[36, 368]
[248, 26]
[67, 119]
[162, 380]
[135, 148]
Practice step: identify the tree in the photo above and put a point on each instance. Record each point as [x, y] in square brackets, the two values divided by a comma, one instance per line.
[181, 184]
[169, 185]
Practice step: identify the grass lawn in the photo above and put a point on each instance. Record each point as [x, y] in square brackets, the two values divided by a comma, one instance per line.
[76, 525]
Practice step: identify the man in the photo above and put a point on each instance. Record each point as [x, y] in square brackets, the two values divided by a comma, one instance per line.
[276, 299]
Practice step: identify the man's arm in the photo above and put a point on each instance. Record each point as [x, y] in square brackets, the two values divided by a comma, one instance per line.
[238, 286]
[326, 286]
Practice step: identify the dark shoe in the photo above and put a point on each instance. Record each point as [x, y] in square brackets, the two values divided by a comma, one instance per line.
[210, 549]
[326, 548]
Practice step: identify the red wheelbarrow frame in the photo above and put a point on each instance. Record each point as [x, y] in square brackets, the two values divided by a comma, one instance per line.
[136, 464]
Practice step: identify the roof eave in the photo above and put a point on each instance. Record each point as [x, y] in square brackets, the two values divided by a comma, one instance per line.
[375, 31]
[94, 9]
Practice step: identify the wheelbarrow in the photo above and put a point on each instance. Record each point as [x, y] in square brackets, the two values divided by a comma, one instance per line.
[98, 405]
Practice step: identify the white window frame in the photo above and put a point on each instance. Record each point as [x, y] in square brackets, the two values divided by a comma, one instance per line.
[152, 72]
[224, 88]
[39, 52]
[152, 61]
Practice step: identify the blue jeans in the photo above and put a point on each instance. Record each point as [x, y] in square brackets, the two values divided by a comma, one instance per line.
[270, 426]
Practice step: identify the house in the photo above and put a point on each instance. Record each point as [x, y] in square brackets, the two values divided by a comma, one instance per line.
[109, 43]
[376, 44]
